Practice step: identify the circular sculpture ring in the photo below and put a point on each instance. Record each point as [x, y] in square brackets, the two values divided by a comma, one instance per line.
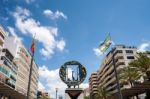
[72, 77]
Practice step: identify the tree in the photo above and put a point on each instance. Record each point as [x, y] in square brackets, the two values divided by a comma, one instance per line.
[87, 97]
[102, 93]
[129, 74]
[142, 64]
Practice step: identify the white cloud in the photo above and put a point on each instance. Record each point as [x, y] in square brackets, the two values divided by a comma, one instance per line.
[29, 1]
[48, 12]
[84, 85]
[97, 51]
[13, 33]
[52, 79]
[44, 34]
[41, 87]
[54, 15]
[61, 44]
[143, 47]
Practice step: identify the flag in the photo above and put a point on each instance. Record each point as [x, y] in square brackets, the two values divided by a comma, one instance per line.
[33, 46]
[105, 45]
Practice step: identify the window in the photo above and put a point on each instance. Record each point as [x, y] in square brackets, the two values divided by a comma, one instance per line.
[122, 63]
[119, 51]
[4, 50]
[130, 57]
[129, 51]
[2, 58]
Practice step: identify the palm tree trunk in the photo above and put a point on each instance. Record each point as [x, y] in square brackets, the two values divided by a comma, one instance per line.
[148, 91]
[132, 86]
[131, 83]
[137, 97]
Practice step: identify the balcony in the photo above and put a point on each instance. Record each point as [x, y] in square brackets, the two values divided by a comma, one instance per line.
[5, 71]
[1, 38]
[11, 83]
[8, 63]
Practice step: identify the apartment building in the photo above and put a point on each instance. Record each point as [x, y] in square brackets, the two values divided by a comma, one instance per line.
[3, 34]
[8, 70]
[106, 76]
[8, 67]
[3, 72]
[22, 60]
[93, 84]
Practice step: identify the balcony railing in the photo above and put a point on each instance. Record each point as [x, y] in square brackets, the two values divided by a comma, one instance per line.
[9, 64]
[4, 71]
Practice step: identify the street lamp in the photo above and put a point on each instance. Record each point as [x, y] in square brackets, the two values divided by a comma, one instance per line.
[56, 92]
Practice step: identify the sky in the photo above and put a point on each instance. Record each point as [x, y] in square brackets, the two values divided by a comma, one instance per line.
[72, 30]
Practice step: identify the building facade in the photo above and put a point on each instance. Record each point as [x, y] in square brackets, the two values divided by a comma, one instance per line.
[93, 84]
[22, 60]
[3, 34]
[106, 76]
[8, 70]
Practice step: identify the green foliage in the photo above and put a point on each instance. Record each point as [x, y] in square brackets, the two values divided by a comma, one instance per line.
[42, 97]
[102, 93]
[129, 74]
[142, 64]
[87, 97]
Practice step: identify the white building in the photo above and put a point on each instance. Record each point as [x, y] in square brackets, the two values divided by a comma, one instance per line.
[122, 56]
[22, 59]
[8, 71]
[93, 84]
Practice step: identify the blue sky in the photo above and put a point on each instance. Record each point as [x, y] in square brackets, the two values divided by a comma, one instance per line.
[72, 29]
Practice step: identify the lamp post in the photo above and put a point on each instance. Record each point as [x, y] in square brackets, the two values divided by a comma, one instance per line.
[56, 92]
[116, 75]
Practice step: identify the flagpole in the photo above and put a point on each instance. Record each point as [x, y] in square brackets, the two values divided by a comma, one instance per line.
[30, 74]
[117, 80]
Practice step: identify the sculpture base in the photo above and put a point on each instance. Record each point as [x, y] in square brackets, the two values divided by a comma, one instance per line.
[74, 93]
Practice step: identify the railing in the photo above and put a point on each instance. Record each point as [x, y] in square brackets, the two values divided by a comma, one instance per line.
[4, 71]
[10, 64]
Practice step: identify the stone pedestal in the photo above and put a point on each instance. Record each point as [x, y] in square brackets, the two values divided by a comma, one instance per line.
[73, 93]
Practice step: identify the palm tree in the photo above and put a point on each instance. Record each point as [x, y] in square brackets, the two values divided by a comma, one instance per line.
[142, 63]
[128, 75]
[87, 97]
[102, 93]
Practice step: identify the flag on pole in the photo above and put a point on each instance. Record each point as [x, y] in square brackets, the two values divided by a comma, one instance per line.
[105, 45]
[33, 46]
